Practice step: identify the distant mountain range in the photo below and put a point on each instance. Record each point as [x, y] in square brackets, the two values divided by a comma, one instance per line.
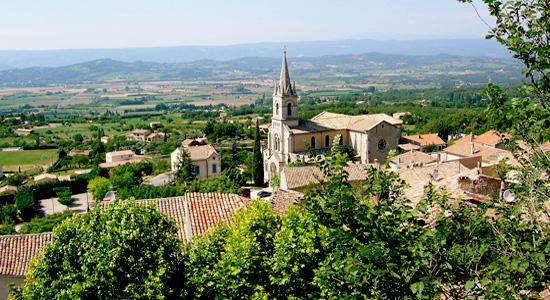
[12, 59]
[356, 68]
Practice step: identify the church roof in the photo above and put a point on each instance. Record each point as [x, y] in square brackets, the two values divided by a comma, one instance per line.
[284, 88]
[326, 121]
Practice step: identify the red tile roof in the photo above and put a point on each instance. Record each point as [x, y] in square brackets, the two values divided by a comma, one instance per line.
[204, 211]
[299, 177]
[16, 251]
[281, 199]
[426, 139]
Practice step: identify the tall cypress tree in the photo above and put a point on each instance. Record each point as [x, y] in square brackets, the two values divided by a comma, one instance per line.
[257, 161]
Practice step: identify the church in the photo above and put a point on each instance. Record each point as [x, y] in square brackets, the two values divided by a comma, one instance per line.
[370, 136]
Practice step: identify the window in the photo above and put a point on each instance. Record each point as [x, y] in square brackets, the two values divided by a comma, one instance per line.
[312, 142]
[327, 141]
[214, 168]
[382, 144]
[197, 170]
[277, 141]
[289, 109]
[276, 108]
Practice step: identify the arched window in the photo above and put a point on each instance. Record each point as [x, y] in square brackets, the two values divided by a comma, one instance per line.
[312, 142]
[276, 108]
[289, 109]
[277, 143]
[341, 140]
[327, 141]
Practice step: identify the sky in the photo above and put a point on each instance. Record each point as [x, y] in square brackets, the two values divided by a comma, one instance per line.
[79, 24]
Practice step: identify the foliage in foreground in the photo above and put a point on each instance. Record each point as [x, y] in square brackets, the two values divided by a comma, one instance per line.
[123, 251]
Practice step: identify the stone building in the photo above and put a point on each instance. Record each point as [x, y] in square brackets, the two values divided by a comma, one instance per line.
[370, 136]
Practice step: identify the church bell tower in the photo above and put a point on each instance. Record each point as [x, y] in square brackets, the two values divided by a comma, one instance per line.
[285, 99]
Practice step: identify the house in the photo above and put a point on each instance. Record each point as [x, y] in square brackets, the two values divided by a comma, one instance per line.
[119, 155]
[299, 178]
[194, 142]
[138, 135]
[155, 125]
[194, 214]
[489, 155]
[106, 139]
[370, 136]
[23, 132]
[424, 140]
[281, 200]
[44, 178]
[490, 138]
[16, 252]
[8, 189]
[118, 158]
[411, 159]
[154, 137]
[205, 158]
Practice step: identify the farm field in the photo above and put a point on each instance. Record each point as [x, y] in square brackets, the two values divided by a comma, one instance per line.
[26, 159]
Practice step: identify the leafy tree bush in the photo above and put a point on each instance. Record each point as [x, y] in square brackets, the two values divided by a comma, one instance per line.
[123, 251]
[99, 186]
[185, 170]
[64, 195]
[26, 205]
[8, 211]
[46, 224]
[257, 160]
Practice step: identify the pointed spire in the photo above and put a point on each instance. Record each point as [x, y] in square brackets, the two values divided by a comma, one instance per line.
[284, 88]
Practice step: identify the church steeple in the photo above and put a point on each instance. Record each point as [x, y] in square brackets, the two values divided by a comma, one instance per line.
[285, 99]
[284, 88]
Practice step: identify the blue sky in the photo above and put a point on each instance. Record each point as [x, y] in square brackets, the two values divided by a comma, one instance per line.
[77, 24]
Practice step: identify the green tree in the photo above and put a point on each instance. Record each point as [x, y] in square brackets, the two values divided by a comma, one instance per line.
[119, 251]
[99, 186]
[25, 204]
[64, 195]
[257, 160]
[185, 170]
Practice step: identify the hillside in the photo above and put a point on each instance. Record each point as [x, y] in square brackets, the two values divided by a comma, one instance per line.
[435, 70]
[10, 59]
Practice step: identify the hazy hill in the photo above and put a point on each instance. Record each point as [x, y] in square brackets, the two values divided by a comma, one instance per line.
[438, 67]
[57, 58]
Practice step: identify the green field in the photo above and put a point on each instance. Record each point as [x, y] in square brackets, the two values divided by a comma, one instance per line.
[11, 160]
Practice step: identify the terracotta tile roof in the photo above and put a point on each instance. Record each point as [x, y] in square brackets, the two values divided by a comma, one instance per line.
[425, 139]
[403, 161]
[281, 199]
[491, 137]
[330, 121]
[409, 147]
[448, 173]
[205, 211]
[141, 131]
[108, 165]
[200, 152]
[489, 155]
[121, 153]
[16, 251]
[299, 177]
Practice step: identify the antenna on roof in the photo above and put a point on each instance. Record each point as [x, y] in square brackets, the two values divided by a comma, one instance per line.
[508, 196]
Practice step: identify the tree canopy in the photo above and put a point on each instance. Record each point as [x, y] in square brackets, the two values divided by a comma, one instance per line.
[122, 251]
